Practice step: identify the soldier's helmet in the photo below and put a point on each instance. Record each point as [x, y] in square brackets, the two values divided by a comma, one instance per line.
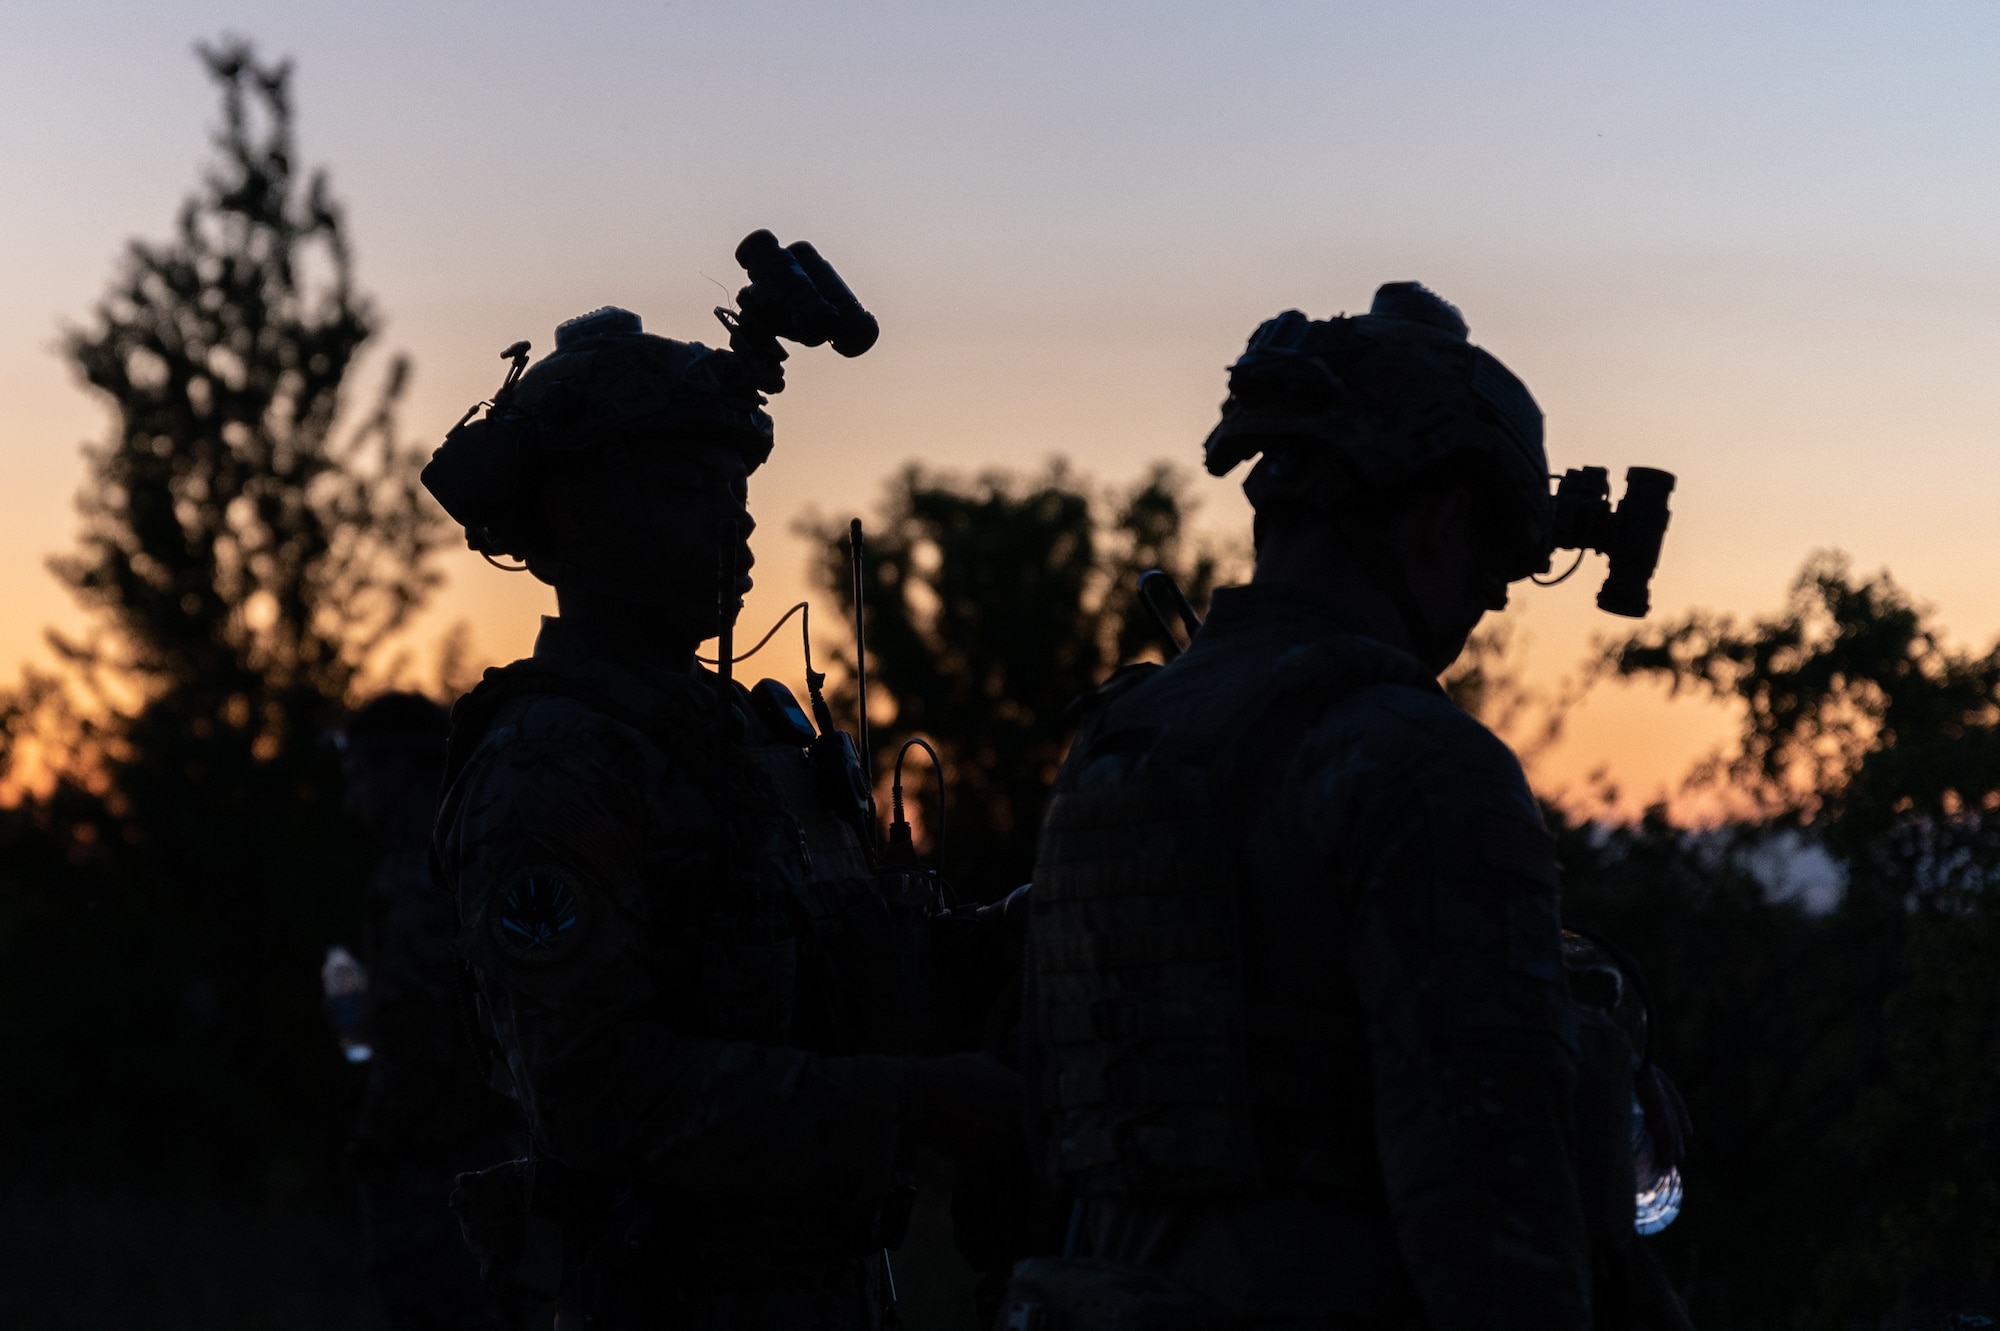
[610, 380]
[1355, 412]
[607, 385]
[610, 386]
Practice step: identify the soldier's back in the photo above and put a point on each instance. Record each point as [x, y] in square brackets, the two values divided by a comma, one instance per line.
[1249, 853]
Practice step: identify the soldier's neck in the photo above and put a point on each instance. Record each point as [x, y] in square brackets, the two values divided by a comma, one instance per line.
[1326, 577]
[624, 629]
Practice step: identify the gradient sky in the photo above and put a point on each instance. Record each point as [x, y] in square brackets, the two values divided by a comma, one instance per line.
[1751, 243]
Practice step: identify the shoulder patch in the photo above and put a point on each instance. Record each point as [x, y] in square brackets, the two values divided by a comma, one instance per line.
[539, 915]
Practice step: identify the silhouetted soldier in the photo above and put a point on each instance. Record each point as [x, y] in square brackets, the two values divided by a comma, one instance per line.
[1301, 1041]
[426, 1114]
[698, 983]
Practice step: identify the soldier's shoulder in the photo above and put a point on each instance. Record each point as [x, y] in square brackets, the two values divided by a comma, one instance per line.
[526, 711]
[1117, 685]
[531, 761]
[1408, 727]
[1391, 753]
[542, 830]
[537, 718]
[1407, 711]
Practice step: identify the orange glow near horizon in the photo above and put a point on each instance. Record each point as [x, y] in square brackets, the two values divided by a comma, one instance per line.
[1753, 249]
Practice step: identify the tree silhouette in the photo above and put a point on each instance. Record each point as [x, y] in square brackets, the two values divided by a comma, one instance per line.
[247, 545]
[1844, 1069]
[992, 606]
[1859, 717]
[242, 558]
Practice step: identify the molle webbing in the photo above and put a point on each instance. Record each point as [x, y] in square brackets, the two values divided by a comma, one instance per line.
[1164, 1072]
[1136, 950]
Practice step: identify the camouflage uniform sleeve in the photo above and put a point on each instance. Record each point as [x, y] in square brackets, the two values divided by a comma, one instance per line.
[551, 840]
[1454, 950]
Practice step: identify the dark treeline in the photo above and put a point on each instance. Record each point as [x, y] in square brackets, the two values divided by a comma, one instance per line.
[249, 539]
[251, 536]
[1842, 1066]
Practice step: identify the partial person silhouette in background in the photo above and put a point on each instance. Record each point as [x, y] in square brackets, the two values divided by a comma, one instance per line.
[1304, 1037]
[426, 1114]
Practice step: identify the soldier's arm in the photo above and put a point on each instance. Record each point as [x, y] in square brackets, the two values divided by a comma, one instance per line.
[610, 1075]
[1455, 957]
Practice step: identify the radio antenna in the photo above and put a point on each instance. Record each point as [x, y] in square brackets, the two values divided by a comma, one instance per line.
[1151, 583]
[725, 604]
[855, 569]
[725, 658]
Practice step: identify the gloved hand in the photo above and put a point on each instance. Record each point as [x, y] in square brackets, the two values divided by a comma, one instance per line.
[1010, 913]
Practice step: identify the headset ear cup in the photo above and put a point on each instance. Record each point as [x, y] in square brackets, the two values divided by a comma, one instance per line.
[477, 475]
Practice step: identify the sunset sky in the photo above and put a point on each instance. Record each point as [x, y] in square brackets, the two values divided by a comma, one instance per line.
[1754, 244]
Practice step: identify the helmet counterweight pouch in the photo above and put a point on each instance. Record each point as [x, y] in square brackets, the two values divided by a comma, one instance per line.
[476, 474]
